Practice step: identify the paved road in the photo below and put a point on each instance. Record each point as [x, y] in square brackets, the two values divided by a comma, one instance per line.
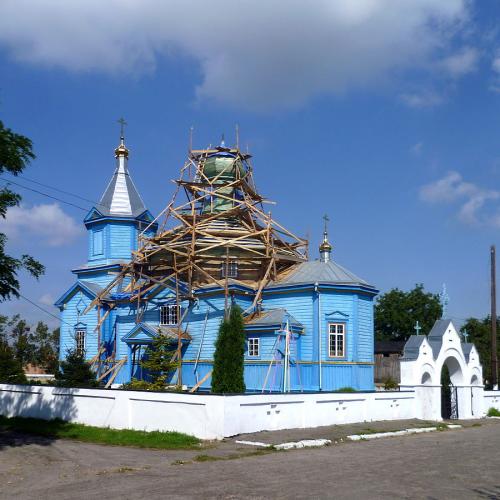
[454, 464]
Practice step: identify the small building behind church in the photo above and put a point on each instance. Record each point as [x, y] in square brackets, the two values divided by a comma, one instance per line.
[308, 322]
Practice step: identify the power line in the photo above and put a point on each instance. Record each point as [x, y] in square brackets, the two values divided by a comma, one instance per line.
[59, 190]
[44, 194]
[43, 309]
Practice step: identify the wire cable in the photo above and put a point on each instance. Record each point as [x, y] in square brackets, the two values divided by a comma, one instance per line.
[44, 194]
[43, 309]
[59, 190]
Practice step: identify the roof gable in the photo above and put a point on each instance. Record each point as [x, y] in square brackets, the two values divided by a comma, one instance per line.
[92, 289]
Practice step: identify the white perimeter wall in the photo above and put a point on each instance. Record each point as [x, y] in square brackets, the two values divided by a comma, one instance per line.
[207, 416]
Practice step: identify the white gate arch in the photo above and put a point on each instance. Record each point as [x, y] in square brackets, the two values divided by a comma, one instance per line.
[421, 365]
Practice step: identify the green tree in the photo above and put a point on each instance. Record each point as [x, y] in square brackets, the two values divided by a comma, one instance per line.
[75, 371]
[479, 331]
[397, 311]
[227, 376]
[158, 361]
[22, 340]
[16, 152]
[11, 369]
[47, 347]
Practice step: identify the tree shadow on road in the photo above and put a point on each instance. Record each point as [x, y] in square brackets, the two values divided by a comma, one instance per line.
[492, 493]
[25, 403]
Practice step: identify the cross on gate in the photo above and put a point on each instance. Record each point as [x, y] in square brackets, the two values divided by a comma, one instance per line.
[417, 328]
[465, 335]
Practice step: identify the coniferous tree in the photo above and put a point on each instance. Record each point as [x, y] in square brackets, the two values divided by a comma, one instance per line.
[11, 369]
[75, 371]
[227, 376]
[158, 361]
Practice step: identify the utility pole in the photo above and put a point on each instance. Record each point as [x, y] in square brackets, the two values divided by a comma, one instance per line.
[494, 359]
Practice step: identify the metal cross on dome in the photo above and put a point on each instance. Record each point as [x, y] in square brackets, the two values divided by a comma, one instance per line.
[123, 124]
[327, 220]
[417, 328]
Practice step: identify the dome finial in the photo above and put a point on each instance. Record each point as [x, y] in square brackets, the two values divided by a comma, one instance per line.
[325, 249]
[222, 142]
[122, 150]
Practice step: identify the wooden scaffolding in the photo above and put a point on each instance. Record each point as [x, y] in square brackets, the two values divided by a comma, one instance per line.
[213, 233]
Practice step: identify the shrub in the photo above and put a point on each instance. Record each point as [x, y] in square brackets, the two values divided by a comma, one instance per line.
[346, 389]
[142, 385]
[493, 412]
[227, 376]
[390, 384]
[75, 371]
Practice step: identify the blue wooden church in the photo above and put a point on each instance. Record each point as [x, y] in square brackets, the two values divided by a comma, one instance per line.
[308, 323]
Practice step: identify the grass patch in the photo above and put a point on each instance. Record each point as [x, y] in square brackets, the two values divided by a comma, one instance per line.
[58, 429]
[493, 412]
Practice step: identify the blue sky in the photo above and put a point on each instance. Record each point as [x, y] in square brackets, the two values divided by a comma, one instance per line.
[383, 114]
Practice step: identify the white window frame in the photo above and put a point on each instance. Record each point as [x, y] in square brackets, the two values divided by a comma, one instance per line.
[337, 340]
[169, 314]
[254, 347]
[232, 269]
[80, 338]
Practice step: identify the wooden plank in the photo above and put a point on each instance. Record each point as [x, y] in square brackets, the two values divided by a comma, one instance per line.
[117, 368]
[204, 379]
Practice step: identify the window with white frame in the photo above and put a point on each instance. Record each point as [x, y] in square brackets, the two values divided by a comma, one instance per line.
[253, 347]
[80, 341]
[169, 314]
[336, 340]
[232, 269]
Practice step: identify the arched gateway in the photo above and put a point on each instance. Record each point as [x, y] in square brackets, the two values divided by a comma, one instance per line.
[445, 373]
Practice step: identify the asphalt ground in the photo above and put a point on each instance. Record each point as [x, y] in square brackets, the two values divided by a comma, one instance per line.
[455, 464]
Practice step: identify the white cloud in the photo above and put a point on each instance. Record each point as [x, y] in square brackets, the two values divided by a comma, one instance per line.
[47, 299]
[495, 66]
[463, 62]
[257, 55]
[416, 149]
[47, 224]
[470, 197]
[426, 99]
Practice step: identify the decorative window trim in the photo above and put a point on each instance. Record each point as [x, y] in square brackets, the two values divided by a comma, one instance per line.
[337, 340]
[232, 269]
[170, 314]
[254, 347]
[80, 340]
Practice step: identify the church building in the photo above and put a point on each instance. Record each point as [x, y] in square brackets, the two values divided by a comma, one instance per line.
[308, 321]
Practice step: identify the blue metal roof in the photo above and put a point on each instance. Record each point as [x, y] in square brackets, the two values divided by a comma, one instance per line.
[273, 319]
[319, 272]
